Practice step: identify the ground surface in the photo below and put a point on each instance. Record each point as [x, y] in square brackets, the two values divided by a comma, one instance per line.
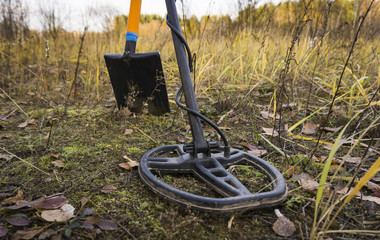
[79, 153]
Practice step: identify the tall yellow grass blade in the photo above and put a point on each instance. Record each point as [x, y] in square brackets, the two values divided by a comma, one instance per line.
[326, 169]
[371, 172]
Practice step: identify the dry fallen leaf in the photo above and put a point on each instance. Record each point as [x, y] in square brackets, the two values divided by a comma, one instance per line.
[283, 226]
[108, 189]
[128, 131]
[229, 225]
[376, 179]
[328, 147]
[26, 123]
[329, 129]
[290, 105]
[106, 224]
[310, 128]
[310, 186]
[258, 153]
[341, 189]
[12, 200]
[290, 171]
[68, 208]
[47, 234]
[6, 136]
[25, 235]
[370, 198]
[249, 146]
[84, 201]
[6, 157]
[56, 215]
[51, 203]
[58, 163]
[3, 231]
[130, 164]
[304, 176]
[181, 139]
[19, 220]
[373, 186]
[54, 155]
[268, 115]
[270, 132]
[93, 219]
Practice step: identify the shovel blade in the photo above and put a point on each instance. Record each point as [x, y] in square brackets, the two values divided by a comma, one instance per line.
[138, 78]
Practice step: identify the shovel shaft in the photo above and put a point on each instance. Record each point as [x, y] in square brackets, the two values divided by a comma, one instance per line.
[134, 17]
[184, 70]
[133, 26]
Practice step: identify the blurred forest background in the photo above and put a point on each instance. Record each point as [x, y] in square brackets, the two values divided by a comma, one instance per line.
[41, 61]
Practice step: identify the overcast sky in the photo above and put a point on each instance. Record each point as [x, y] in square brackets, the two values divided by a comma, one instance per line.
[74, 14]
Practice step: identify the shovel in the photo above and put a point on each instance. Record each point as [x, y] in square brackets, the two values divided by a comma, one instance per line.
[137, 77]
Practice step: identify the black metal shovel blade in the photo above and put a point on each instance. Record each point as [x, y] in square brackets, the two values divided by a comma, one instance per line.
[138, 78]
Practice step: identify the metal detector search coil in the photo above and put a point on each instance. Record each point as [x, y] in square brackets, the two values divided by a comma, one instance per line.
[213, 171]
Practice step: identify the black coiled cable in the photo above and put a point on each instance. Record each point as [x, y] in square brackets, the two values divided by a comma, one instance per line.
[192, 111]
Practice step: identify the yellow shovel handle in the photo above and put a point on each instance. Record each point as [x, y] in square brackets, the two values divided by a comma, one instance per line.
[134, 16]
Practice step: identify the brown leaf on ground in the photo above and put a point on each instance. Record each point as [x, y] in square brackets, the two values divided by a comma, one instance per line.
[290, 105]
[307, 182]
[47, 234]
[59, 163]
[283, 226]
[303, 176]
[3, 231]
[56, 215]
[249, 146]
[371, 199]
[329, 129]
[27, 234]
[376, 179]
[268, 115]
[352, 160]
[270, 132]
[290, 171]
[19, 220]
[84, 201]
[130, 164]
[373, 186]
[128, 131]
[93, 219]
[310, 128]
[108, 189]
[106, 224]
[258, 153]
[310, 186]
[341, 189]
[26, 123]
[54, 155]
[236, 118]
[52, 203]
[6, 157]
[13, 200]
[22, 203]
[6, 136]
[181, 139]
[328, 147]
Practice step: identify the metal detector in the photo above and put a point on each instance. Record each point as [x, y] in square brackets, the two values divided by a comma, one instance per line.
[207, 161]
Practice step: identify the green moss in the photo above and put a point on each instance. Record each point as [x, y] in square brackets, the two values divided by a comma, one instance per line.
[135, 150]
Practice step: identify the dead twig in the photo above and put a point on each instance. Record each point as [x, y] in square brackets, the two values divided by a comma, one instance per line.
[24, 161]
